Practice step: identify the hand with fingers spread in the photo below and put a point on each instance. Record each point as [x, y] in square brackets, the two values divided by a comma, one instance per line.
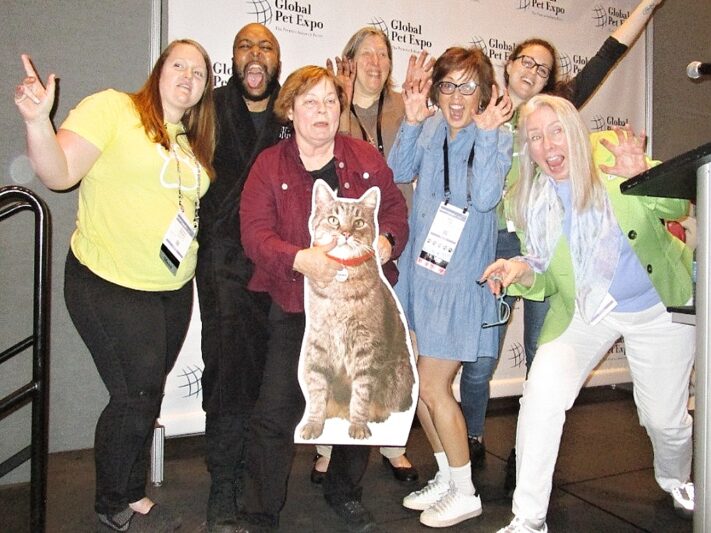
[346, 74]
[419, 69]
[415, 91]
[496, 113]
[504, 272]
[33, 100]
[630, 158]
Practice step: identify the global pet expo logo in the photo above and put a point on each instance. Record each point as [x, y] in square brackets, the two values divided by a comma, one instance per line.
[497, 50]
[570, 64]
[608, 16]
[599, 122]
[545, 8]
[291, 15]
[404, 35]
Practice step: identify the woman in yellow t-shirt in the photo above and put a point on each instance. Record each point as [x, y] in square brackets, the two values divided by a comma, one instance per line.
[142, 162]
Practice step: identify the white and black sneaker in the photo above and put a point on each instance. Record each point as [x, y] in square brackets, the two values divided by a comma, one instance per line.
[683, 497]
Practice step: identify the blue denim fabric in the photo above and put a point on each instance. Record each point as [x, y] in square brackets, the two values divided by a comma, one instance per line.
[474, 384]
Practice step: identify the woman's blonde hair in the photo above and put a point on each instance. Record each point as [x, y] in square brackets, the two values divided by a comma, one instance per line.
[198, 121]
[587, 187]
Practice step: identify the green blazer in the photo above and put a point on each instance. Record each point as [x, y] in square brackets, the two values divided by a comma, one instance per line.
[666, 259]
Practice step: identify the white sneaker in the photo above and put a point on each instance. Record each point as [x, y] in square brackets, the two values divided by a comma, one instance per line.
[683, 497]
[521, 525]
[420, 500]
[452, 508]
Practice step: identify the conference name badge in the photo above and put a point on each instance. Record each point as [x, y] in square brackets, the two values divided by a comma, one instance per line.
[176, 242]
[442, 239]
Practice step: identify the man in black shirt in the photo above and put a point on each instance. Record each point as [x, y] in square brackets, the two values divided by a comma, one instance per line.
[234, 320]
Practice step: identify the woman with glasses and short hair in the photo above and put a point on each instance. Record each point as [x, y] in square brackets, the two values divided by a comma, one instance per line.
[460, 156]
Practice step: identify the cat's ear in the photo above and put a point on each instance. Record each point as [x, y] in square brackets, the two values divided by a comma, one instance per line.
[323, 194]
[370, 198]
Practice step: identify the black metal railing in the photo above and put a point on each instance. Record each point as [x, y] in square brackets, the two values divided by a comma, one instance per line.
[14, 200]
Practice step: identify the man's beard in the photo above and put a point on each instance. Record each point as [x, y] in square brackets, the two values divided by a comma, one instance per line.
[270, 88]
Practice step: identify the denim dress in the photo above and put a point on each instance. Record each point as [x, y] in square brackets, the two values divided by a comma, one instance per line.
[447, 311]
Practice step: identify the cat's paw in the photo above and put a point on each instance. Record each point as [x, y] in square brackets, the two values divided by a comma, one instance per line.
[311, 430]
[359, 431]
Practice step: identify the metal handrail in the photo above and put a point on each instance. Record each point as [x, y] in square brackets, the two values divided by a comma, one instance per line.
[13, 200]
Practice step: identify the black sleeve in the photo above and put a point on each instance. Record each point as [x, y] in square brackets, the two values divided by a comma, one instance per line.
[580, 88]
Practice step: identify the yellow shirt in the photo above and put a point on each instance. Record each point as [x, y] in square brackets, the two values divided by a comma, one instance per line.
[129, 198]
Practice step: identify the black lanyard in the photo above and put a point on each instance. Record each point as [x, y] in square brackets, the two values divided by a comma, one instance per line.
[470, 172]
[378, 125]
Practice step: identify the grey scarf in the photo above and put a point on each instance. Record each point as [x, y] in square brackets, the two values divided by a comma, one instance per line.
[595, 241]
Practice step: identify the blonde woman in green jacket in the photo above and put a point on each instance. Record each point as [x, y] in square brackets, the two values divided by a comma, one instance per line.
[610, 269]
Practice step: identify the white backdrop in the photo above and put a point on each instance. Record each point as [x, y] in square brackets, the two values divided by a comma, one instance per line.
[311, 31]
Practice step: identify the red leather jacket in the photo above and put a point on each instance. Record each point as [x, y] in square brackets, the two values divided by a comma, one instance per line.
[276, 205]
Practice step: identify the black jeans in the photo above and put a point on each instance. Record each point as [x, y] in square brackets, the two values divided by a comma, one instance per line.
[270, 447]
[134, 338]
[234, 328]
[234, 346]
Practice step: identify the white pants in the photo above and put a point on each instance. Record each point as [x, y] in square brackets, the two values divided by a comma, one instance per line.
[660, 355]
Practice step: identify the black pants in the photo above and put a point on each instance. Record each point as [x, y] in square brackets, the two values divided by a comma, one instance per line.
[234, 328]
[270, 447]
[234, 345]
[134, 338]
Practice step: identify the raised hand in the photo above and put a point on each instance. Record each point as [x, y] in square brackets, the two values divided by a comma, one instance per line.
[419, 68]
[33, 100]
[346, 73]
[496, 113]
[415, 90]
[630, 158]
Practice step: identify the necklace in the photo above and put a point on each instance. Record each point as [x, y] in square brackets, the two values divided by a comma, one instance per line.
[196, 220]
[378, 125]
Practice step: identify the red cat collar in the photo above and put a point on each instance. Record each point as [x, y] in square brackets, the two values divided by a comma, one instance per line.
[353, 261]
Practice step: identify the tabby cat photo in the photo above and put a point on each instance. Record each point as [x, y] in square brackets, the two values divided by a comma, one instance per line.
[357, 368]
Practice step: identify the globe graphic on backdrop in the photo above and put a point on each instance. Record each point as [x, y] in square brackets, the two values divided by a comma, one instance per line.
[524, 4]
[597, 123]
[190, 377]
[479, 43]
[599, 16]
[564, 65]
[262, 10]
[379, 23]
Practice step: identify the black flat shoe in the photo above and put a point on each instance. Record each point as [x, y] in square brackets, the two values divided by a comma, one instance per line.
[404, 474]
[316, 475]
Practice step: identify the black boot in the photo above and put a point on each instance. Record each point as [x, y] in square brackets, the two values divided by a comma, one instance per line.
[224, 437]
[510, 480]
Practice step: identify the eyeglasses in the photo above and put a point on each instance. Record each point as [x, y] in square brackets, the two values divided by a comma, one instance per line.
[465, 89]
[504, 311]
[544, 71]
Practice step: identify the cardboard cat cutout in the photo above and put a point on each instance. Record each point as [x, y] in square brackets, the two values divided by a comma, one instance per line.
[357, 368]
